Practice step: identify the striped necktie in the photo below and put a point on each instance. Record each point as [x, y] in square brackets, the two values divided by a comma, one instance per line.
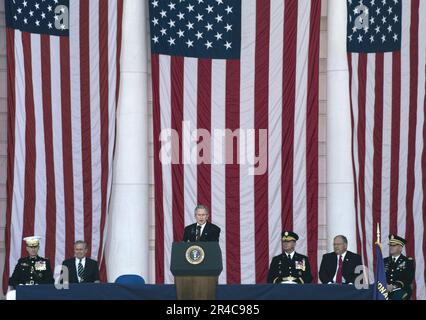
[80, 271]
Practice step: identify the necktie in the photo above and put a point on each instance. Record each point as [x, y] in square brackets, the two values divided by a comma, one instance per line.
[80, 271]
[339, 271]
[198, 236]
[394, 259]
[289, 257]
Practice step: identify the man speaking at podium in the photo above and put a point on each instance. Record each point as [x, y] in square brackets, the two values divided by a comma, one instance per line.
[202, 230]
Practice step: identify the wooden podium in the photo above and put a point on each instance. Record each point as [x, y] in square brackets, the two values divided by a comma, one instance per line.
[196, 267]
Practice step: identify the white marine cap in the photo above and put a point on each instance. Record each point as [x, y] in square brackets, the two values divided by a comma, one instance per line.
[33, 241]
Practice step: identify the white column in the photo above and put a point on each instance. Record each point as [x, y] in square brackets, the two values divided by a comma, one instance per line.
[340, 186]
[128, 226]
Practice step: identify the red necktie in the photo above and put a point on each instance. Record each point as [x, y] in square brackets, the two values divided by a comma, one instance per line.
[339, 271]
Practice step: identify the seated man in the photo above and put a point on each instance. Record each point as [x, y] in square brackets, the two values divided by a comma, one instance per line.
[290, 266]
[399, 270]
[202, 230]
[33, 269]
[339, 266]
[81, 268]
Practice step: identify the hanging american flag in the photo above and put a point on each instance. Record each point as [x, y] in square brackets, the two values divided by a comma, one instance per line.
[62, 95]
[235, 68]
[387, 53]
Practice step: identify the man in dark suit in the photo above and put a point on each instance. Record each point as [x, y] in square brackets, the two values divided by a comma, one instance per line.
[290, 266]
[81, 268]
[339, 266]
[399, 270]
[202, 230]
[33, 269]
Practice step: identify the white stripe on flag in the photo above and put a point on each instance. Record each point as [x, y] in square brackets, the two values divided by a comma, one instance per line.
[17, 222]
[248, 47]
[95, 117]
[299, 169]
[165, 98]
[218, 167]
[77, 162]
[55, 64]
[190, 119]
[405, 102]
[40, 172]
[386, 153]
[275, 124]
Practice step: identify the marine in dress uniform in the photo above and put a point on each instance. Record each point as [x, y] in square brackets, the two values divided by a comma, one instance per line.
[33, 269]
[290, 266]
[399, 270]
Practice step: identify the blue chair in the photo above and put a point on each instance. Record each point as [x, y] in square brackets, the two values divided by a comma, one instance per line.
[130, 279]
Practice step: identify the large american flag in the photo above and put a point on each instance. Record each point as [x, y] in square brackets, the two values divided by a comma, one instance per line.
[62, 78]
[248, 65]
[387, 53]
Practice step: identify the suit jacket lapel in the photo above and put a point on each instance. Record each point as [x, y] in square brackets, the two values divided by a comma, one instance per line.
[74, 270]
[346, 262]
[334, 264]
[205, 231]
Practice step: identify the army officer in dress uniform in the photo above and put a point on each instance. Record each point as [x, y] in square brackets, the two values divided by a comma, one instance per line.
[399, 270]
[33, 269]
[290, 266]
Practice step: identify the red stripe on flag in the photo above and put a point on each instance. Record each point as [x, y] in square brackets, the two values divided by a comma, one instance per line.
[176, 78]
[104, 115]
[414, 64]
[378, 147]
[312, 112]
[289, 100]
[119, 39]
[261, 117]
[67, 146]
[232, 175]
[30, 143]
[159, 212]
[86, 141]
[362, 85]
[395, 142]
[11, 112]
[48, 141]
[204, 122]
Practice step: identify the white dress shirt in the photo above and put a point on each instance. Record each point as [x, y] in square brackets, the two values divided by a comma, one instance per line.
[337, 267]
[395, 259]
[202, 228]
[291, 254]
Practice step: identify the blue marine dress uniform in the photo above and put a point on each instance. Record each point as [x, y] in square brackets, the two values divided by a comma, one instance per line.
[399, 273]
[285, 269]
[32, 270]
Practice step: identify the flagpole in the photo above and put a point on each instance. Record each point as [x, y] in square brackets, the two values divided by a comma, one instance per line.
[378, 241]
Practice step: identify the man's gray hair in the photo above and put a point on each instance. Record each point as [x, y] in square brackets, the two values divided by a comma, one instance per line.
[200, 206]
[81, 242]
[345, 240]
